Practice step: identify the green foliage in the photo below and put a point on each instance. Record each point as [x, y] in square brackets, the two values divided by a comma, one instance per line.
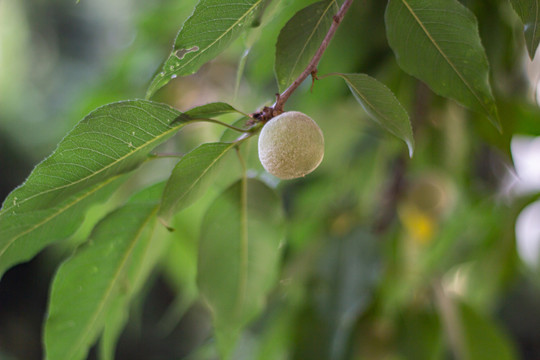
[363, 258]
[529, 12]
[208, 111]
[482, 338]
[440, 45]
[192, 177]
[111, 140]
[354, 261]
[100, 277]
[381, 105]
[299, 40]
[24, 234]
[196, 44]
[238, 256]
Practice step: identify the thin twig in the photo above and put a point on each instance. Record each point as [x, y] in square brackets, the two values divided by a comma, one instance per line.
[269, 112]
[312, 66]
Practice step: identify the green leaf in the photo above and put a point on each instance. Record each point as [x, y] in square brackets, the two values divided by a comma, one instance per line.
[145, 255]
[115, 321]
[381, 105]
[212, 27]
[23, 235]
[419, 335]
[111, 140]
[191, 177]
[101, 275]
[278, 335]
[529, 12]
[240, 69]
[208, 111]
[349, 272]
[179, 265]
[211, 110]
[300, 38]
[438, 42]
[238, 256]
[484, 340]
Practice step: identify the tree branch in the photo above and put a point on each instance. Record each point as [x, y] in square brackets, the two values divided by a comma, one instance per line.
[269, 112]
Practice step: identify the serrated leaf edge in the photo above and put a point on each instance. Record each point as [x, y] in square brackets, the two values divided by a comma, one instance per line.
[135, 149]
[59, 212]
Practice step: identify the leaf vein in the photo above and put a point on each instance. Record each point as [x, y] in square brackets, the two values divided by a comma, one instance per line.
[226, 32]
[112, 284]
[443, 54]
[125, 156]
[57, 213]
[319, 21]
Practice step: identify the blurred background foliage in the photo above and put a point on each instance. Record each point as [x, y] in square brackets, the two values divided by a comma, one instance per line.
[434, 257]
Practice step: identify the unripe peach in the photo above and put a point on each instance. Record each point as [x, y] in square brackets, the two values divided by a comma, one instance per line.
[291, 145]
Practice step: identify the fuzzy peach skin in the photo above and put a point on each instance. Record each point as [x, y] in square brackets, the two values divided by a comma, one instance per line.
[291, 145]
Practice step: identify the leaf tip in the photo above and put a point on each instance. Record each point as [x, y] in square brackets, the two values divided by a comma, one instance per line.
[164, 223]
[158, 81]
[493, 117]
[410, 146]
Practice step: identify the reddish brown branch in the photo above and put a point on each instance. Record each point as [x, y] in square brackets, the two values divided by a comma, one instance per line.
[268, 112]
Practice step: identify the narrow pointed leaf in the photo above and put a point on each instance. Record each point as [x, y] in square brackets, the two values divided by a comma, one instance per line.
[191, 177]
[238, 256]
[89, 284]
[145, 255]
[300, 38]
[381, 105]
[438, 42]
[483, 339]
[207, 111]
[529, 12]
[111, 140]
[23, 235]
[209, 30]
[50, 205]
[115, 321]
[211, 110]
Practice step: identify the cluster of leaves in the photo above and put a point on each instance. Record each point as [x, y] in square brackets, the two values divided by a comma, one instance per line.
[243, 227]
